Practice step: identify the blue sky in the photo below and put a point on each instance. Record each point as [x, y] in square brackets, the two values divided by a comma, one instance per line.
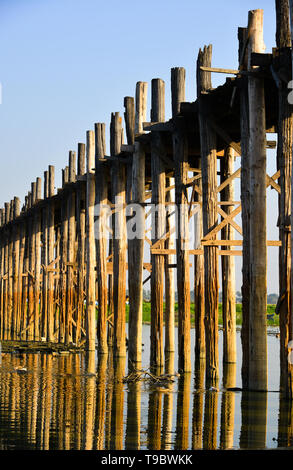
[67, 64]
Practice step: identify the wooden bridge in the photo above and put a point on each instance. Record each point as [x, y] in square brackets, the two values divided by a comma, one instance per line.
[59, 266]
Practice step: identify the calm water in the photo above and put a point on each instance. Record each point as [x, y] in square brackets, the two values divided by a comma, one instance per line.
[59, 403]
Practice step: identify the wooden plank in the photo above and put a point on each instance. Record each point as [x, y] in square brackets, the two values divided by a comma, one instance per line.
[225, 183]
[220, 70]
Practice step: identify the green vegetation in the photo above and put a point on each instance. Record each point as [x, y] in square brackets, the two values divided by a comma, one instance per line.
[270, 311]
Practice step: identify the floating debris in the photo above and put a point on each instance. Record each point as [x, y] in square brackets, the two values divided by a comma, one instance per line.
[145, 375]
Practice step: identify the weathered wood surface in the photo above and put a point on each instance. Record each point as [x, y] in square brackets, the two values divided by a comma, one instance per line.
[210, 218]
[228, 266]
[180, 152]
[136, 245]
[258, 249]
[158, 229]
[90, 245]
[284, 164]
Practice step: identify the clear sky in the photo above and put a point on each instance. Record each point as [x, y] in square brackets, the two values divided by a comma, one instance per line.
[66, 64]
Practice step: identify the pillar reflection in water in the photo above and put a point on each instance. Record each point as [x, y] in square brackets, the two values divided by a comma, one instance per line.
[210, 417]
[101, 401]
[132, 439]
[89, 400]
[168, 404]
[198, 400]
[155, 415]
[228, 406]
[254, 420]
[182, 421]
[285, 423]
[117, 404]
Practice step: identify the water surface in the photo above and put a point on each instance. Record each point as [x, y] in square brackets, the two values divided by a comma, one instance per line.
[76, 402]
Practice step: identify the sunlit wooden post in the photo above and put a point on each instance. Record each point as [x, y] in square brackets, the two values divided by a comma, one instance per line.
[135, 245]
[210, 217]
[50, 254]
[158, 226]
[180, 151]
[258, 233]
[90, 244]
[118, 179]
[102, 181]
[228, 263]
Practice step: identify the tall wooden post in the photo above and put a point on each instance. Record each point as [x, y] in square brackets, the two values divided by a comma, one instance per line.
[169, 273]
[258, 233]
[80, 229]
[70, 249]
[210, 217]
[158, 226]
[135, 245]
[284, 164]
[50, 255]
[90, 244]
[37, 267]
[63, 257]
[102, 177]
[245, 208]
[228, 264]
[21, 279]
[2, 244]
[31, 278]
[118, 178]
[199, 348]
[6, 238]
[44, 258]
[10, 272]
[180, 150]
[15, 267]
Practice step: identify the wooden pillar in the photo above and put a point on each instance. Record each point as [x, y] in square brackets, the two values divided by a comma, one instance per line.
[90, 244]
[80, 228]
[118, 178]
[169, 273]
[284, 164]
[228, 264]
[44, 259]
[136, 245]
[258, 233]
[245, 209]
[37, 267]
[70, 250]
[24, 307]
[21, 279]
[158, 226]
[2, 245]
[15, 267]
[6, 269]
[199, 313]
[10, 273]
[50, 255]
[180, 150]
[210, 218]
[102, 179]
[31, 269]
[63, 257]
